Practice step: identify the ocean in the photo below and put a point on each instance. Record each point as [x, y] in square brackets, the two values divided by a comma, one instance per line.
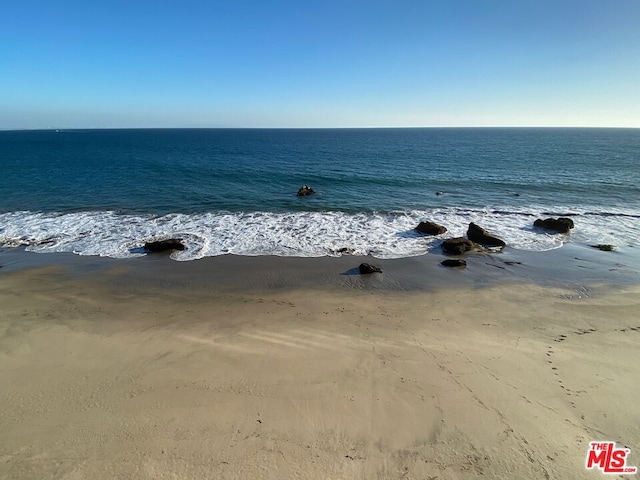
[233, 191]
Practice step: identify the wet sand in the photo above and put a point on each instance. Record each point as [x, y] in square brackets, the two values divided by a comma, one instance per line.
[571, 266]
[148, 368]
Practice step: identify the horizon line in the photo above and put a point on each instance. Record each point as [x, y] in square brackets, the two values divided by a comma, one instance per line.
[324, 128]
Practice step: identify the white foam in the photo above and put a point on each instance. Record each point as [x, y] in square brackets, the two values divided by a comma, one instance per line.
[301, 234]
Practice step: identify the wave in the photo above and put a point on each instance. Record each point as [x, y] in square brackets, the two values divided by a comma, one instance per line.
[300, 234]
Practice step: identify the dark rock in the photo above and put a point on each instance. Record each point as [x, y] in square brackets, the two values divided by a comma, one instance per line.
[164, 245]
[566, 221]
[305, 190]
[454, 262]
[560, 225]
[430, 228]
[481, 236]
[604, 247]
[366, 268]
[347, 250]
[457, 246]
[46, 241]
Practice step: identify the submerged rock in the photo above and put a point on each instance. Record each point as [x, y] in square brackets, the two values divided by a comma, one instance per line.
[480, 235]
[457, 246]
[365, 268]
[164, 245]
[46, 241]
[560, 225]
[305, 190]
[454, 262]
[604, 247]
[345, 250]
[430, 228]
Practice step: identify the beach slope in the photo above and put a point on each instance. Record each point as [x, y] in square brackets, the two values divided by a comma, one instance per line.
[508, 381]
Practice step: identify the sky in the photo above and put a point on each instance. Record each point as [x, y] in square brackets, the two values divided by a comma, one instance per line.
[346, 63]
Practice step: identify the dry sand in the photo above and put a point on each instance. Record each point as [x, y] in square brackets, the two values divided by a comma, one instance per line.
[508, 381]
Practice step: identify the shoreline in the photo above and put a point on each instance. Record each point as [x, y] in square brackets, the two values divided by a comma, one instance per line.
[572, 266]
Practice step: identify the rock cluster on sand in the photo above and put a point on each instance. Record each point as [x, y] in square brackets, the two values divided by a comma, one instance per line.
[305, 190]
[560, 225]
[430, 228]
[477, 239]
[164, 245]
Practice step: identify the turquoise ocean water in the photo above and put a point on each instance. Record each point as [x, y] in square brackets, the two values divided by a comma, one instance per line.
[105, 192]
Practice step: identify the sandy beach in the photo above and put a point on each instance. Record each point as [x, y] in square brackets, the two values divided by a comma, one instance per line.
[107, 378]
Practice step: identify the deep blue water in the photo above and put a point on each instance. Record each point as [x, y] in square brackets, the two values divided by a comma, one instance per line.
[218, 181]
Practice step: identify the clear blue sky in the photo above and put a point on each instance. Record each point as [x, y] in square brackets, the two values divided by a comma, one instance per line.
[343, 63]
